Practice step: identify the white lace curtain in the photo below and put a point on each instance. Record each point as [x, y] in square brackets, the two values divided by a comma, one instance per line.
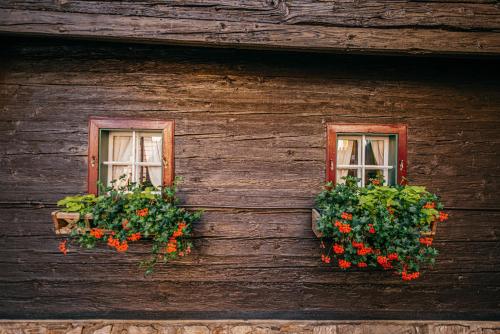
[344, 153]
[152, 153]
[378, 151]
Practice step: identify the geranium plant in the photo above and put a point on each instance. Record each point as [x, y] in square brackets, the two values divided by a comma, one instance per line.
[129, 213]
[378, 226]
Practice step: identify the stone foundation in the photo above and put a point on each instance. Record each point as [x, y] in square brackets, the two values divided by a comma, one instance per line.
[246, 327]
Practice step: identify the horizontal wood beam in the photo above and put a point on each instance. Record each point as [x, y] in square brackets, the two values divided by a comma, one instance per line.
[242, 34]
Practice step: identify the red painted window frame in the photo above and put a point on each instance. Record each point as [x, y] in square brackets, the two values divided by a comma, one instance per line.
[97, 123]
[401, 130]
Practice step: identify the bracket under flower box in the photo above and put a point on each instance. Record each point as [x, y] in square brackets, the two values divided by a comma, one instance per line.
[315, 215]
[65, 222]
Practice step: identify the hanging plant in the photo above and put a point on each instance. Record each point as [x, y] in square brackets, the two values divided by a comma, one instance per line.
[378, 226]
[126, 214]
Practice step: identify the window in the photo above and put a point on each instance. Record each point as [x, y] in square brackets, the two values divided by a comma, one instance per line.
[367, 152]
[140, 149]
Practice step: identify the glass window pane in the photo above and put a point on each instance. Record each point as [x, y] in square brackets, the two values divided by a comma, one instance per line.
[122, 148]
[374, 152]
[373, 174]
[345, 172]
[119, 171]
[149, 176]
[149, 147]
[347, 152]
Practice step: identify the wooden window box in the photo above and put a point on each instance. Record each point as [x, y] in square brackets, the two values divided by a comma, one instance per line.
[65, 222]
[315, 215]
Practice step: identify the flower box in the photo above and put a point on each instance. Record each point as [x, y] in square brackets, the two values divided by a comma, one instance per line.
[65, 222]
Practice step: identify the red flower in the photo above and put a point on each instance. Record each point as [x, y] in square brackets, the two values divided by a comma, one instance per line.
[443, 216]
[356, 244]
[338, 249]
[362, 265]
[337, 223]
[384, 262]
[376, 182]
[135, 236]
[408, 277]
[393, 256]
[97, 233]
[62, 247]
[372, 229]
[344, 264]
[346, 216]
[325, 258]
[426, 241]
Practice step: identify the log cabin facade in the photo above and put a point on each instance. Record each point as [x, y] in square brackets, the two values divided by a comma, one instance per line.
[252, 88]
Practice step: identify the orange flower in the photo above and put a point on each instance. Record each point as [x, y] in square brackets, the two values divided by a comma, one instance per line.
[181, 225]
[142, 212]
[338, 249]
[443, 216]
[426, 241]
[172, 245]
[97, 233]
[135, 236]
[122, 247]
[375, 182]
[429, 205]
[344, 228]
[177, 234]
[337, 223]
[362, 265]
[112, 242]
[344, 264]
[346, 216]
[62, 247]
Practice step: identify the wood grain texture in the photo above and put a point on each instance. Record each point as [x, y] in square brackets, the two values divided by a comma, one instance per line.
[250, 142]
[373, 26]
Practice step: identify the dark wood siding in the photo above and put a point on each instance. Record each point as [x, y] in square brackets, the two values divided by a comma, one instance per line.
[250, 145]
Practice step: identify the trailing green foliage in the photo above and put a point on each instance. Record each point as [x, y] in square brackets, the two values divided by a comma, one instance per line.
[130, 213]
[378, 226]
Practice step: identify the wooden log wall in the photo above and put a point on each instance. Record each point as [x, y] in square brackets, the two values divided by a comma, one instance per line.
[250, 145]
[467, 27]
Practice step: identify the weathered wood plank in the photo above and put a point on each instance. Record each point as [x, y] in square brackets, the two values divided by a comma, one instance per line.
[223, 33]
[458, 15]
[76, 298]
